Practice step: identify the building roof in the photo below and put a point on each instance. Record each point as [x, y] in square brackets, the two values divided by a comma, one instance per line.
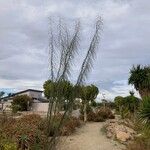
[21, 93]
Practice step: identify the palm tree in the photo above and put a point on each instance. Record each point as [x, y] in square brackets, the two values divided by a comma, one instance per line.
[144, 113]
[140, 78]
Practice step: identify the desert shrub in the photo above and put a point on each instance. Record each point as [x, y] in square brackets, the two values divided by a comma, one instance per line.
[21, 103]
[100, 115]
[104, 113]
[140, 143]
[31, 119]
[90, 116]
[69, 125]
[7, 145]
[25, 132]
[30, 131]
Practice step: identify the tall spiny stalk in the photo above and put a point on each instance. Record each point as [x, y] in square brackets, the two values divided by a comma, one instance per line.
[67, 45]
[87, 63]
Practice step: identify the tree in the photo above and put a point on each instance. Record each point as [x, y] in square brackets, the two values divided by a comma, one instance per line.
[94, 104]
[10, 94]
[49, 89]
[21, 102]
[63, 47]
[88, 93]
[1, 94]
[59, 91]
[127, 105]
[144, 113]
[140, 78]
[119, 103]
[131, 104]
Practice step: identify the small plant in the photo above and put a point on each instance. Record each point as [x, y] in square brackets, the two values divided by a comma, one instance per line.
[104, 130]
[7, 145]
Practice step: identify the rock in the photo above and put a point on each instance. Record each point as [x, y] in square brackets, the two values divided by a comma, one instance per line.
[130, 130]
[122, 136]
[109, 135]
[119, 130]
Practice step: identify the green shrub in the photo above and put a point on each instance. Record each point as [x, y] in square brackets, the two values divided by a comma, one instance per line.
[15, 108]
[21, 103]
[144, 114]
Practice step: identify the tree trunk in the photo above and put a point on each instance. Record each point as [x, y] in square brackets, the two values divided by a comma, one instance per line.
[144, 92]
[85, 113]
[2, 106]
[70, 110]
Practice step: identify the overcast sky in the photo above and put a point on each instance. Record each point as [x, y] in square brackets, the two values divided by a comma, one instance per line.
[24, 46]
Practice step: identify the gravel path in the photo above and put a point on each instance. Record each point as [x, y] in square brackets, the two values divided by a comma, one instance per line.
[89, 137]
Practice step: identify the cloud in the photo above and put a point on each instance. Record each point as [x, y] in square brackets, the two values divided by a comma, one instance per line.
[24, 40]
[119, 88]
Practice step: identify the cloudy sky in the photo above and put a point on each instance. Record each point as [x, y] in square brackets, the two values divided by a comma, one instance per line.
[24, 40]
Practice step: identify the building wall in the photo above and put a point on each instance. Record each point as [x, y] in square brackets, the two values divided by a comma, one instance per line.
[40, 107]
[7, 106]
[34, 94]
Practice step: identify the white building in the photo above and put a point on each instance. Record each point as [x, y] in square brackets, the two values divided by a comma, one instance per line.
[39, 102]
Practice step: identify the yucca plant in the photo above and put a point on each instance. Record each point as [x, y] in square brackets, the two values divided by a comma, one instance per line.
[140, 79]
[144, 114]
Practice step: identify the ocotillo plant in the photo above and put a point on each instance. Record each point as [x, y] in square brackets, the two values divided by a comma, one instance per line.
[63, 49]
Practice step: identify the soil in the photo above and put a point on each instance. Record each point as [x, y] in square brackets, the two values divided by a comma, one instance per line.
[89, 137]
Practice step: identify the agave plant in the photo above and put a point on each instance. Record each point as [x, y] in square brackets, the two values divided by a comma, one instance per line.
[144, 113]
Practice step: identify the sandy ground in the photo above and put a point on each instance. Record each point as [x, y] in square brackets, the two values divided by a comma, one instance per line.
[89, 137]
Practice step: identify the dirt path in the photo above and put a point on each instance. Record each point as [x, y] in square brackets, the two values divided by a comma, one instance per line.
[89, 137]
